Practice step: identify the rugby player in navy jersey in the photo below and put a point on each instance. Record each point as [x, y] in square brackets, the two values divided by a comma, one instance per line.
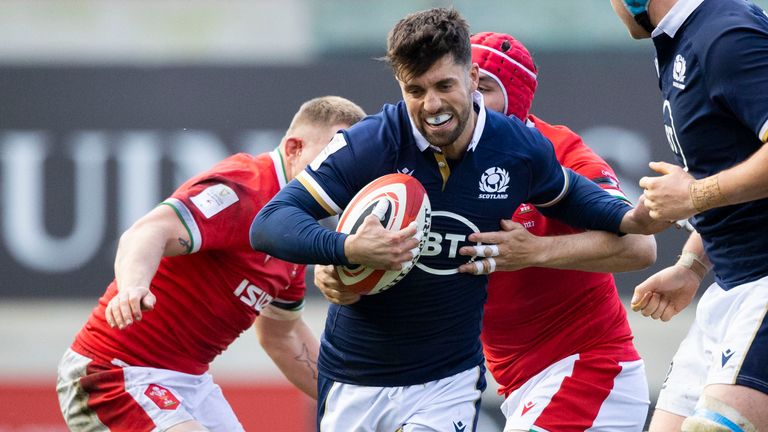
[410, 358]
[562, 354]
[712, 63]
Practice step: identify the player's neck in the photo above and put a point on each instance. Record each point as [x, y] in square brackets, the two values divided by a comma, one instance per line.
[658, 9]
[287, 167]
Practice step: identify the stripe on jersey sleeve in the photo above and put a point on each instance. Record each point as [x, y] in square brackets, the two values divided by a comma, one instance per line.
[605, 181]
[609, 185]
[618, 194]
[562, 192]
[317, 192]
[196, 239]
[764, 132]
[282, 310]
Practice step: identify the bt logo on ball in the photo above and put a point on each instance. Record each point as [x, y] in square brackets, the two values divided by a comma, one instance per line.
[449, 232]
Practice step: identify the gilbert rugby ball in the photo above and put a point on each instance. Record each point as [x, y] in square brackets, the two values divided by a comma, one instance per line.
[398, 200]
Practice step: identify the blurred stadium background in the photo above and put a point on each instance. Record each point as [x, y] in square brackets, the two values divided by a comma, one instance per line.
[106, 106]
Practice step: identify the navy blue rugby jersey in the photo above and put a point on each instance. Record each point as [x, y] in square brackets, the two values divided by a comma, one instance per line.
[712, 60]
[427, 326]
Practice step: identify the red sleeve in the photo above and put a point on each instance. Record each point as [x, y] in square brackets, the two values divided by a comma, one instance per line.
[298, 287]
[573, 153]
[217, 212]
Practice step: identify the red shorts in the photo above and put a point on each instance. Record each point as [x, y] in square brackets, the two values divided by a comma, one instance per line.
[101, 396]
[578, 393]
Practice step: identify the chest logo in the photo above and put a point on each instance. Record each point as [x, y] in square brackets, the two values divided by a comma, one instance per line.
[494, 182]
[440, 255]
[678, 72]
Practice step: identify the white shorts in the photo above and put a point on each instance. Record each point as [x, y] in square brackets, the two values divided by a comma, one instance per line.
[727, 344]
[581, 392]
[448, 404]
[95, 396]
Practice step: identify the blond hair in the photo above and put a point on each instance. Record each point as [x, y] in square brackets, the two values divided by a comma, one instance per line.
[327, 111]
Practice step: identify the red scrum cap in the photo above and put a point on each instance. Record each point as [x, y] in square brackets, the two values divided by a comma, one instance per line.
[509, 63]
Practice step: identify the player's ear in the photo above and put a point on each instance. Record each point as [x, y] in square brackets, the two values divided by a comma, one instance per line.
[293, 147]
[474, 76]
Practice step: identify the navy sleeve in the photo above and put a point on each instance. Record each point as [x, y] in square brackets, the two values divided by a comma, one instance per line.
[354, 158]
[287, 228]
[548, 181]
[586, 205]
[737, 74]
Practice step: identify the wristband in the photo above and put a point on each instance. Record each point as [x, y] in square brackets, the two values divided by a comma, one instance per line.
[692, 262]
[705, 194]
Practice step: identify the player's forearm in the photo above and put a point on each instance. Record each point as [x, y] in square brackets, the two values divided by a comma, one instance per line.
[693, 257]
[598, 251]
[138, 255]
[286, 230]
[695, 244]
[747, 181]
[157, 234]
[294, 352]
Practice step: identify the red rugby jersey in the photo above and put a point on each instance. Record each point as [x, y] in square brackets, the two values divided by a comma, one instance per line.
[536, 316]
[207, 298]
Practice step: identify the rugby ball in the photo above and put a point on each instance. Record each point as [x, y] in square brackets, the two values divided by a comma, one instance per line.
[397, 200]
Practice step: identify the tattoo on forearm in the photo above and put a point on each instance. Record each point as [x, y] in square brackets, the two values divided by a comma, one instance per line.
[706, 194]
[305, 357]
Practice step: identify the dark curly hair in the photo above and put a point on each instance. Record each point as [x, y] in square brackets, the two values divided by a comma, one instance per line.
[420, 39]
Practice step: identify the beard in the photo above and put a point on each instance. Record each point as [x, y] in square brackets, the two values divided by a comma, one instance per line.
[447, 137]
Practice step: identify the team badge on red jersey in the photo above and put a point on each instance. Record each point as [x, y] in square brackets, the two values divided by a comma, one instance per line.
[163, 398]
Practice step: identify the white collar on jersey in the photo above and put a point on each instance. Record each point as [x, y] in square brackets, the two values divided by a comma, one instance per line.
[676, 16]
[477, 99]
[277, 159]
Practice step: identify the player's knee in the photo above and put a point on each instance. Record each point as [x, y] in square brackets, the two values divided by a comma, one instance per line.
[714, 415]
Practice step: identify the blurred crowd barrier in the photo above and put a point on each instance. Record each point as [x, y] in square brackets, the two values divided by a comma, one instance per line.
[86, 150]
